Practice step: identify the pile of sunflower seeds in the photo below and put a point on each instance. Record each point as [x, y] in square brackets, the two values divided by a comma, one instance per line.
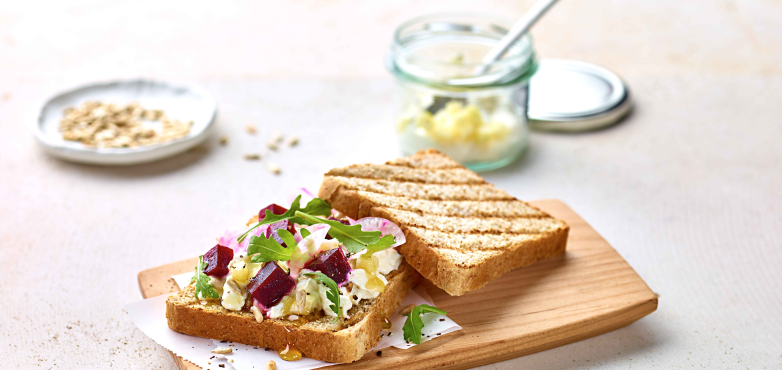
[109, 125]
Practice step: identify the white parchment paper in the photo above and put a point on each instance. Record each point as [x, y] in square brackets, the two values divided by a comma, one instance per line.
[150, 317]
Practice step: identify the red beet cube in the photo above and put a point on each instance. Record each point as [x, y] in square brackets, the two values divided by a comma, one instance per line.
[274, 208]
[270, 285]
[284, 225]
[217, 260]
[331, 263]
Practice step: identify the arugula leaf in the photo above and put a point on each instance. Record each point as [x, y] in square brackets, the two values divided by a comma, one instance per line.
[202, 287]
[264, 250]
[316, 207]
[354, 239]
[287, 238]
[271, 218]
[304, 233]
[414, 324]
[384, 242]
[332, 294]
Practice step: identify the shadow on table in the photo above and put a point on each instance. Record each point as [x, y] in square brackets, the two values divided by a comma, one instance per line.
[151, 169]
[533, 151]
[629, 344]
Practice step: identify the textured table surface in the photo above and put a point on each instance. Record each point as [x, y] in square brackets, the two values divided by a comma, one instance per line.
[687, 189]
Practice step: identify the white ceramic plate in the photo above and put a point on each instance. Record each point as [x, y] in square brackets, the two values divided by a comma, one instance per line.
[185, 103]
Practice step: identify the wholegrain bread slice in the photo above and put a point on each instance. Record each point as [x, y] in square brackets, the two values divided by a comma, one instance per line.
[320, 338]
[461, 231]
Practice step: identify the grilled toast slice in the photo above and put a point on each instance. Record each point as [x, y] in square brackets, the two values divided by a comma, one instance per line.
[319, 338]
[461, 231]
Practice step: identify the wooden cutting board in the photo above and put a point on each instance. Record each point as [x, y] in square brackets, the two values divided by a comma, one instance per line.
[586, 292]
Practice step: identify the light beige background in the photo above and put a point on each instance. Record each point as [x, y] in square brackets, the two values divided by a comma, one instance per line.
[687, 189]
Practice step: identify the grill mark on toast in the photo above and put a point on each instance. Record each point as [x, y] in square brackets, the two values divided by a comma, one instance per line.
[469, 243]
[416, 190]
[425, 168]
[385, 172]
[473, 225]
[456, 208]
[427, 159]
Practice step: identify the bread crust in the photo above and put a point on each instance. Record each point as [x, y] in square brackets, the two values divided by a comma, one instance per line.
[322, 340]
[454, 276]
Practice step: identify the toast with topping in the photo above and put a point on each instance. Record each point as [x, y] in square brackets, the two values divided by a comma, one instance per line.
[318, 337]
[461, 231]
[300, 281]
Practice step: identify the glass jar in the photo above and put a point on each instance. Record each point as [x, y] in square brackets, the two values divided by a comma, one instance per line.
[445, 100]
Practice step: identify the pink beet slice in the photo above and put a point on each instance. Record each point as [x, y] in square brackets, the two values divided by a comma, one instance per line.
[331, 263]
[217, 260]
[270, 285]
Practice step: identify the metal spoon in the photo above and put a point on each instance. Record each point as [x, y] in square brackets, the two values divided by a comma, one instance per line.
[519, 29]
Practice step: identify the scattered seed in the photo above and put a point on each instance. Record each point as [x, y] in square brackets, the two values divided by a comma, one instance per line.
[223, 350]
[251, 129]
[293, 141]
[379, 353]
[276, 137]
[109, 125]
[223, 140]
[271, 145]
[274, 168]
[271, 365]
[252, 156]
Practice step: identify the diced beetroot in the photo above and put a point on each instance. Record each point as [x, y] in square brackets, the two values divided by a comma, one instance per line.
[284, 225]
[217, 260]
[331, 263]
[270, 285]
[272, 229]
[274, 208]
[344, 222]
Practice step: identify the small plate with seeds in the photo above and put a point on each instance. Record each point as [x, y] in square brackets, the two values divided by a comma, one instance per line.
[124, 122]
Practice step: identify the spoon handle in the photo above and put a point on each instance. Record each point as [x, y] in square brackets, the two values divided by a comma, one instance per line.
[520, 28]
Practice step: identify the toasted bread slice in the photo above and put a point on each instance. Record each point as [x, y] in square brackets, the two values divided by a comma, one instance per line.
[461, 231]
[319, 338]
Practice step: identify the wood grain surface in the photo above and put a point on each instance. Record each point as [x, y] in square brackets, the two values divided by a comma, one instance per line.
[588, 291]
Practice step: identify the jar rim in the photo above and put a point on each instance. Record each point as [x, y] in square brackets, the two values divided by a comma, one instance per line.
[512, 68]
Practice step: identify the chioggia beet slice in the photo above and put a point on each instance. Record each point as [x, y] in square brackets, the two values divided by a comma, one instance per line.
[270, 285]
[331, 263]
[217, 260]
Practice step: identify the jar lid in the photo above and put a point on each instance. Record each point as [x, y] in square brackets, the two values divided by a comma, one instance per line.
[567, 95]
